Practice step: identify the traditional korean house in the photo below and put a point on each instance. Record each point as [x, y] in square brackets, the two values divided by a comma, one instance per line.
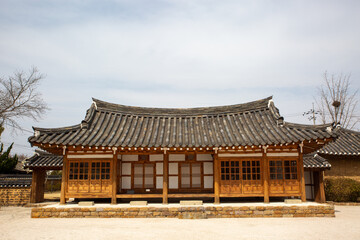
[343, 154]
[244, 150]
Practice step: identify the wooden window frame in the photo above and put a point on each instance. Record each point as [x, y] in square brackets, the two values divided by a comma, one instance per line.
[236, 170]
[284, 170]
[143, 164]
[190, 163]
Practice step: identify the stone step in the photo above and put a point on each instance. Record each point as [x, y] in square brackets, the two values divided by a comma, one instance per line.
[86, 203]
[293, 201]
[191, 202]
[138, 203]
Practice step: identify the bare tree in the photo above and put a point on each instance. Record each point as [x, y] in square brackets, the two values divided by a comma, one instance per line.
[19, 98]
[337, 101]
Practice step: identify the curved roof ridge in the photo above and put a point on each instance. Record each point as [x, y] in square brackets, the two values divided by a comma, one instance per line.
[243, 107]
[310, 126]
[60, 129]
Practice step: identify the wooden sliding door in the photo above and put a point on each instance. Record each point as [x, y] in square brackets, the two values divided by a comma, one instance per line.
[241, 176]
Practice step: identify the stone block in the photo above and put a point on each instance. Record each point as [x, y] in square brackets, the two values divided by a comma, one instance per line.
[191, 202]
[86, 203]
[293, 201]
[192, 215]
[138, 203]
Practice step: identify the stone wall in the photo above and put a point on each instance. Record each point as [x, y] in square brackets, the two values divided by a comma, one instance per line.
[14, 196]
[198, 212]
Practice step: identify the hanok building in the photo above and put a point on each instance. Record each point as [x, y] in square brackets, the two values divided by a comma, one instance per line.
[244, 150]
[343, 154]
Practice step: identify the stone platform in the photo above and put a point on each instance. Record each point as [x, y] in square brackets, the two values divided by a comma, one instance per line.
[227, 210]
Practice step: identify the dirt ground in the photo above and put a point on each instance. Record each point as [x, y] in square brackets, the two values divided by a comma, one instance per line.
[15, 223]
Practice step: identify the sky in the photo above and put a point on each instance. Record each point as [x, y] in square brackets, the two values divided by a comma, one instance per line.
[185, 53]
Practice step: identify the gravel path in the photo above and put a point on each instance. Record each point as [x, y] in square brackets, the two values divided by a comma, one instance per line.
[15, 223]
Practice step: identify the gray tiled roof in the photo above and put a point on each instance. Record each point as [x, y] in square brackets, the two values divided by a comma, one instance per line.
[253, 123]
[313, 160]
[347, 143]
[15, 180]
[44, 160]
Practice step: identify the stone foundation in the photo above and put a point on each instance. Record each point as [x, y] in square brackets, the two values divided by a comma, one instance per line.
[198, 212]
[14, 196]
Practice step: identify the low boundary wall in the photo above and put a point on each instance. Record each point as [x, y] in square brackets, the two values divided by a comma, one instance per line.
[14, 196]
[185, 212]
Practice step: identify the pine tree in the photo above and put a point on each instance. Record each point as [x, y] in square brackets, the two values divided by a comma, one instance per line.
[7, 163]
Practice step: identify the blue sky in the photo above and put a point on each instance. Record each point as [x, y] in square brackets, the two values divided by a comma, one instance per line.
[177, 53]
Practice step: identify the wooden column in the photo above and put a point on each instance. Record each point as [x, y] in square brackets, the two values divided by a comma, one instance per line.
[266, 176]
[216, 179]
[63, 181]
[165, 178]
[302, 177]
[114, 177]
[321, 188]
[37, 186]
[34, 183]
[41, 185]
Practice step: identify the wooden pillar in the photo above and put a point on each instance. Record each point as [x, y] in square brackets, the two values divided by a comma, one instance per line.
[41, 185]
[319, 190]
[266, 176]
[114, 177]
[302, 177]
[37, 185]
[63, 181]
[165, 178]
[216, 179]
[34, 185]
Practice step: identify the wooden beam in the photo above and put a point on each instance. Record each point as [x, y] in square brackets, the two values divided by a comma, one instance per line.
[265, 170]
[302, 177]
[114, 177]
[216, 179]
[64, 181]
[165, 177]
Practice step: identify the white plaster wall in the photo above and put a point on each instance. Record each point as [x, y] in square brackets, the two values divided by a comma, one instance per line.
[159, 168]
[159, 182]
[173, 182]
[204, 157]
[176, 157]
[126, 182]
[126, 169]
[208, 168]
[156, 157]
[132, 158]
[173, 168]
[208, 181]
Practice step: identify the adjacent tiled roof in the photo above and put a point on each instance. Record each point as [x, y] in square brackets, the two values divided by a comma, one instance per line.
[15, 180]
[313, 160]
[44, 160]
[253, 123]
[347, 143]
